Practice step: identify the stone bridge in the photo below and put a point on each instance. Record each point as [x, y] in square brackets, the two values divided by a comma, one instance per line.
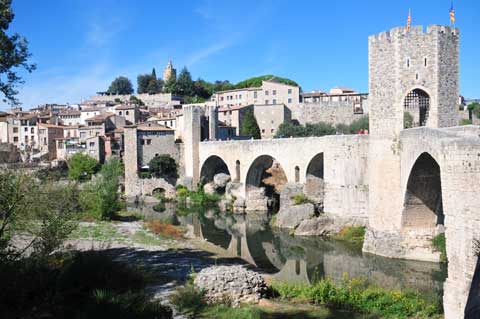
[340, 160]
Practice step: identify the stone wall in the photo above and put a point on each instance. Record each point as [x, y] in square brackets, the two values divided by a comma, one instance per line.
[333, 112]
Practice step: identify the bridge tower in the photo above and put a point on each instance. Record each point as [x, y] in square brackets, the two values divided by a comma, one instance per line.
[191, 143]
[415, 73]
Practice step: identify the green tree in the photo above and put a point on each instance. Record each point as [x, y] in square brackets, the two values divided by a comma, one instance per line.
[316, 129]
[135, 100]
[407, 120]
[359, 124]
[250, 126]
[81, 167]
[257, 81]
[121, 85]
[142, 83]
[44, 212]
[154, 86]
[474, 108]
[184, 85]
[170, 86]
[163, 166]
[100, 198]
[14, 55]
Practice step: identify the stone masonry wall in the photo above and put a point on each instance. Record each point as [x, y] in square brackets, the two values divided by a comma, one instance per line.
[333, 112]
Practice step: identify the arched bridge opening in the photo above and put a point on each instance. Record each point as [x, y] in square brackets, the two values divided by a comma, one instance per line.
[314, 183]
[423, 206]
[214, 165]
[264, 182]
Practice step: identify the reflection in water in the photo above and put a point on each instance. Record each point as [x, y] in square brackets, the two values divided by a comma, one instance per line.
[305, 259]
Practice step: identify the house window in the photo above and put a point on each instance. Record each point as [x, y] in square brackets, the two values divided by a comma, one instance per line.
[289, 100]
[263, 130]
[272, 130]
[15, 130]
[143, 142]
[425, 62]
[32, 130]
[274, 101]
[289, 91]
[255, 94]
[408, 63]
[266, 92]
[26, 129]
[126, 112]
[91, 145]
[266, 101]
[240, 96]
[15, 138]
[32, 138]
[120, 113]
[274, 92]
[26, 139]
[149, 142]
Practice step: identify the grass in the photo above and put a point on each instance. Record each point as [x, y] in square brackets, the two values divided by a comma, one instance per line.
[300, 199]
[143, 238]
[100, 231]
[351, 233]
[188, 300]
[439, 244]
[359, 296]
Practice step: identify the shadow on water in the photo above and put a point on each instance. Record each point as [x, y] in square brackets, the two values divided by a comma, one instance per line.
[305, 259]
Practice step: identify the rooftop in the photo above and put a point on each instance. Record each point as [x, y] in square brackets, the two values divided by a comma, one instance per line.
[100, 117]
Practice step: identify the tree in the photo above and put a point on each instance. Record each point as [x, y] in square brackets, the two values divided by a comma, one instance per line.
[100, 198]
[154, 86]
[44, 212]
[474, 108]
[163, 166]
[142, 83]
[316, 129]
[14, 54]
[170, 86]
[184, 85]
[81, 167]
[121, 85]
[250, 126]
[135, 100]
[359, 124]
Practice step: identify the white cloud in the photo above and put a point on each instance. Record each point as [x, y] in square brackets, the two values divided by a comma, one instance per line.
[207, 52]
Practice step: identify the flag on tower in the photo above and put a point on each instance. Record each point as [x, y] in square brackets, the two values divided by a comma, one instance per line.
[409, 20]
[452, 14]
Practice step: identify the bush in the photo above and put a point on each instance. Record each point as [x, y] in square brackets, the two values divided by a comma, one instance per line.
[82, 167]
[439, 243]
[465, 122]
[188, 300]
[163, 166]
[351, 233]
[300, 199]
[45, 212]
[145, 175]
[100, 199]
[356, 294]
[474, 108]
[360, 124]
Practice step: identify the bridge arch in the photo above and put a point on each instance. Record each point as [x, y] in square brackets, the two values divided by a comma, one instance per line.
[264, 180]
[314, 182]
[423, 205]
[213, 165]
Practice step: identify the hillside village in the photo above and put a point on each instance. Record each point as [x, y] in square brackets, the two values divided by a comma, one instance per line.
[54, 132]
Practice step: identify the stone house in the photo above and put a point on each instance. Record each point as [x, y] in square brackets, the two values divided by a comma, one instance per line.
[233, 115]
[269, 118]
[23, 131]
[272, 91]
[154, 139]
[47, 135]
[70, 117]
[130, 112]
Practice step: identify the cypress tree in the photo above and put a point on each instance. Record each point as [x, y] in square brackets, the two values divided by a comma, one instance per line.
[250, 126]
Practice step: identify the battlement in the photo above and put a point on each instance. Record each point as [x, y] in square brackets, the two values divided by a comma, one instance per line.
[400, 32]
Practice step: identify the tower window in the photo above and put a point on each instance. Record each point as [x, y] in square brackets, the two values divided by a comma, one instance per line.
[408, 63]
[416, 76]
[425, 61]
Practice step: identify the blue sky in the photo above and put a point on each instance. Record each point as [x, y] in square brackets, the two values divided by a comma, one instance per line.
[81, 46]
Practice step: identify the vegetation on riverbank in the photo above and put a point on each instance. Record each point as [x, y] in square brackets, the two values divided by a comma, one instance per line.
[439, 243]
[300, 199]
[357, 295]
[351, 233]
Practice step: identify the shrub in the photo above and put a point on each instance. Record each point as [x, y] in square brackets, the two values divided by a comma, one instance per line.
[465, 122]
[163, 166]
[100, 199]
[188, 300]
[145, 175]
[475, 109]
[164, 229]
[360, 124]
[81, 167]
[300, 199]
[356, 294]
[351, 233]
[407, 120]
[439, 243]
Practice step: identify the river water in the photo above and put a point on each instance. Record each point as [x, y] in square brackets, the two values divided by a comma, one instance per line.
[302, 259]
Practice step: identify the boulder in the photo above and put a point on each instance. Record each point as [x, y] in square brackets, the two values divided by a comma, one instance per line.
[318, 226]
[221, 180]
[290, 217]
[233, 284]
[288, 191]
[209, 188]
